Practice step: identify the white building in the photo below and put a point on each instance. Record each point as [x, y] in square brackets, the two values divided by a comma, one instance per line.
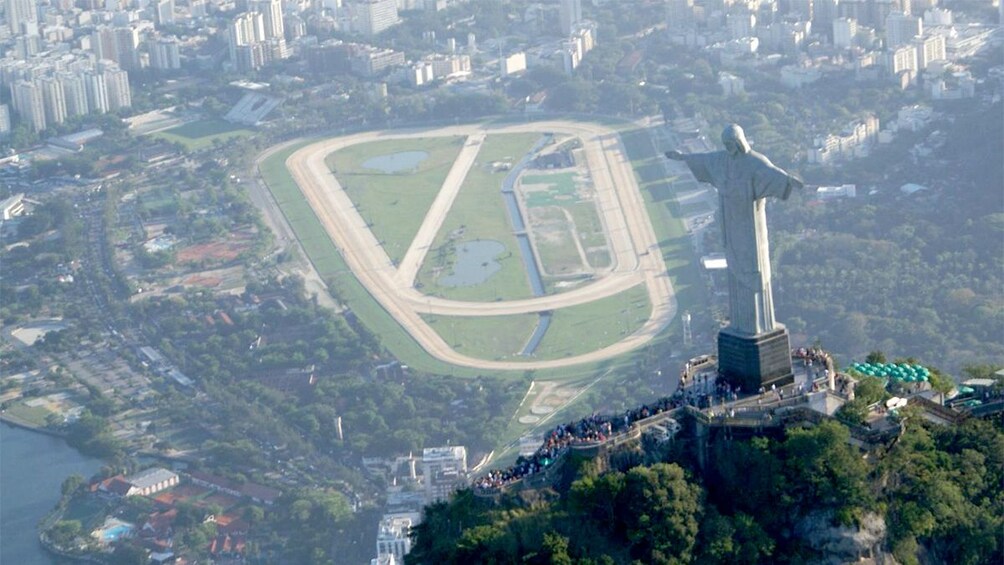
[450, 66]
[12, 206]
[394, 535]
[152, 481]
[902, 61]
[21, 13]
[930, 48]
[97, 91]
[837, 192]
[119, 94]
[271, 11]
[4, 121]
[855, 140]
[375, 16]
[731, 84]
[246, 41]
[444, 470]
[514, 63]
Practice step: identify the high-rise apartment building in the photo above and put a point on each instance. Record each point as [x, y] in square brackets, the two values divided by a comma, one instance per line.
[374, 16]
[27, 99]
[97, 91]
[103, 43]
[119, 94]
[930, 48]
[444, 470]
[394, 535]
[53, 100]
[127, 47]
[569, 15]
[75, 93]
[247, 32]
[902, 59]
[22, 16]
[271, 11]
[844, 32]
[900, 29]
[5, 125]
[165, 54]
[164, 12]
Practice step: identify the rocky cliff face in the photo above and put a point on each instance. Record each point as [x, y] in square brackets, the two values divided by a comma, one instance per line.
[858, 544]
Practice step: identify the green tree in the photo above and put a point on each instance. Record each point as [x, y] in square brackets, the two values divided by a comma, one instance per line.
[661, 511]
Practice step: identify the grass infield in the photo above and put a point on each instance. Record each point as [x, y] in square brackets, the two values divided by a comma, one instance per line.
[202, 133]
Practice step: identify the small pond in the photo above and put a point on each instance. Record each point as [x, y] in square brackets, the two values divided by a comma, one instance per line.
[475, 263]
[396, 162]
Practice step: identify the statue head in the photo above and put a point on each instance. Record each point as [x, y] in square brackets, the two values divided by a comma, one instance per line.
[735, 140]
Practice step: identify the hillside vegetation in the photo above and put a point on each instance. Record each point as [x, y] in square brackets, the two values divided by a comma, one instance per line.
[802, 498]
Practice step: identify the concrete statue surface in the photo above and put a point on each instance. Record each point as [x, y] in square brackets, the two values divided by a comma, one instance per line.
[745, 179]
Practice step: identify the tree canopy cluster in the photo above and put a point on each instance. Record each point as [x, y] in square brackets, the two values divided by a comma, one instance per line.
[913, 274]
[937, 489]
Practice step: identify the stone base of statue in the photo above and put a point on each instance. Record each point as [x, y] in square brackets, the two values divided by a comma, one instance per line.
[753, 361]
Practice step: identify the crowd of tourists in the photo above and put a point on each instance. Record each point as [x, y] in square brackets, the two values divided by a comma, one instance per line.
[590, 430]
[698, 388]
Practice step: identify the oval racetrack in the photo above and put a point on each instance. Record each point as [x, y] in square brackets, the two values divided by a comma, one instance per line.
[620, 203]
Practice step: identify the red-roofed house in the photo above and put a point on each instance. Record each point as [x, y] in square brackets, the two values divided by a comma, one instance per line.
[159, 524]
[225, 545]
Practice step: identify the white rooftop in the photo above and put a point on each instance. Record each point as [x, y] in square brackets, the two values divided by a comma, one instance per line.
[150, 477]
[449, 453]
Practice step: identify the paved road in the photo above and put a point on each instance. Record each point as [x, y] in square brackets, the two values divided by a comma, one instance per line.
[621, 208]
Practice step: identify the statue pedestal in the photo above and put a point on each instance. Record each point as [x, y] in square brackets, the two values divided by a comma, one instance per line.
[752, 361]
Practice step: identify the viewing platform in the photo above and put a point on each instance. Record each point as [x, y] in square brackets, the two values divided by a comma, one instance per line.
[702, 409]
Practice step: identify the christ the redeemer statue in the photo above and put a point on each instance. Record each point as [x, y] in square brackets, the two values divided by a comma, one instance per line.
[744, 179]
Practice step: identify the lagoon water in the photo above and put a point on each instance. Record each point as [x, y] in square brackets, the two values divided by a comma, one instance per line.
[475, 263]
[396, 162]
[32, 469]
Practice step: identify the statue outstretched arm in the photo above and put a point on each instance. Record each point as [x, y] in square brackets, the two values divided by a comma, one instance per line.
[700, 164]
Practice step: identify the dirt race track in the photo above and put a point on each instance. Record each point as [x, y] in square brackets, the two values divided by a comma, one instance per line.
[621, 206]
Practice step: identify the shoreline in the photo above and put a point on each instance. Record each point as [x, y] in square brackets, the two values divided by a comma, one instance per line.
[19, 423]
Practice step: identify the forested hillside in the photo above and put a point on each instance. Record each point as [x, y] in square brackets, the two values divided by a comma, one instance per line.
[912, 273]
[935, 493]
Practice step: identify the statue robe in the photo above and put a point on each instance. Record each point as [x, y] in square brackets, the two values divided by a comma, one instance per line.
[743, 181]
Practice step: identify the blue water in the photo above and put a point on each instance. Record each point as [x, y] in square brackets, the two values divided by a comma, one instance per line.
[396, 162]
[112, 534]
[525, 249]
[543, 323]
[476, 262]
[32, 469]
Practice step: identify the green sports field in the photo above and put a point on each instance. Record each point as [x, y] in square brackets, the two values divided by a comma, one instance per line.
[202, 133]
